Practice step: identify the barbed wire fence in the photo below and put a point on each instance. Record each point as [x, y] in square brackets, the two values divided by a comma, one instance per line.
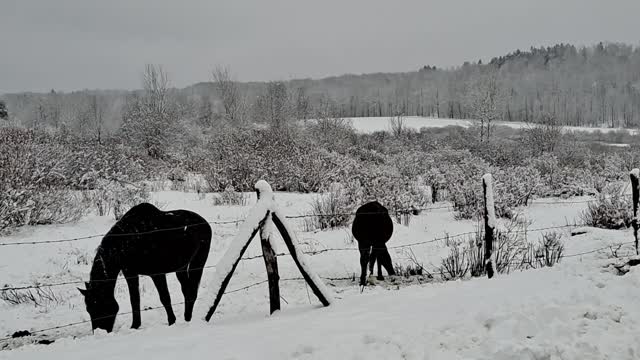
[310, 253]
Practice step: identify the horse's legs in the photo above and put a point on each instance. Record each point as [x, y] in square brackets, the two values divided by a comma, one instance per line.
[189, 281]
[364, 259]
[372, 259]
[385, 260]
[380, 260]
[134, 295]
[161, 284]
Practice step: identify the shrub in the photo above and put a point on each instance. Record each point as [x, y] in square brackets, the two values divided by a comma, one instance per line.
[113, 197]
[230, 197]
[241, 158]
[510, 248]
[611, 210]
[550, 249]
[456, 265]
[34, 171]
[331, 210]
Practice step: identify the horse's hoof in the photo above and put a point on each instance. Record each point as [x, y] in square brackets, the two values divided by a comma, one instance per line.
[135, 326]
[172, 321]
[380, 277]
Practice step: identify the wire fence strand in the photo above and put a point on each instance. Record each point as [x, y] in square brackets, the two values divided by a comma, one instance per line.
[239, 221]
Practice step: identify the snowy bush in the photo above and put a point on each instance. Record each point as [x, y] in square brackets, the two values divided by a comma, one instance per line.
[229, 197]
[331, 210]
[611, 210]
[513, 187]
[34, 172]
[241, 158]
[510, 248]
[550, 249]
[457, 264]
[112, 197]
[38, 297]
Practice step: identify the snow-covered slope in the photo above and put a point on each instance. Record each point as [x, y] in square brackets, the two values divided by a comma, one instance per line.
[574, 311]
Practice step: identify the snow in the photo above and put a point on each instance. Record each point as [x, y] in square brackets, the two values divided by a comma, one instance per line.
[371, 124]
[569, 312]
[268, 228]
[580, 309]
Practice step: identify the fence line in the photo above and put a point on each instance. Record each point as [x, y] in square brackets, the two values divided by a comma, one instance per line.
[429, 271]
[237, 221]
[158, 307]
[311, 253]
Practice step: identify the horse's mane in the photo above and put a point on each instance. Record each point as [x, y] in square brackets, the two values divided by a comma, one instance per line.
[99, 268]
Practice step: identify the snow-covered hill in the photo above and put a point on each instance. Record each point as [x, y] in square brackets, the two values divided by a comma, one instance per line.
[578, 310]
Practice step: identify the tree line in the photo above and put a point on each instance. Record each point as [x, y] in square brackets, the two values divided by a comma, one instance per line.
[587, 86]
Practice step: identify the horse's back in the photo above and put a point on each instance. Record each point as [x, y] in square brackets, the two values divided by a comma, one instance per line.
[372, 223]
[151, 240]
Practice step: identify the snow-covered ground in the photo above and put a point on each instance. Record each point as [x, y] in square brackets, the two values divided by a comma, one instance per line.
[579, 309]
[371, 124]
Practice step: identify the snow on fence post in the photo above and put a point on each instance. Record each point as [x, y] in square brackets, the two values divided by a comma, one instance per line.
[227, 265]
[635, 188]
[268, 251]
[489, 225]
[262, 217]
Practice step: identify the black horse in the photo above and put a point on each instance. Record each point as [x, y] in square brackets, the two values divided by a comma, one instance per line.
[147, 241]
[372, 228]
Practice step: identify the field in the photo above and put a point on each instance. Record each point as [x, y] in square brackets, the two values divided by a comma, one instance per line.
[580, 308]
[371, 124]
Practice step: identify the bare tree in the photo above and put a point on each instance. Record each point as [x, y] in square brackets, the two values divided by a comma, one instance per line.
[274, 107]
[486, 101]
[233, 101]
[149, 121]
[303, 104]
[397, 124]
[96, 110]
[155, 82]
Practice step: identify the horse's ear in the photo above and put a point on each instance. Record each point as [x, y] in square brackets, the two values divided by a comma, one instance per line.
[83, 291]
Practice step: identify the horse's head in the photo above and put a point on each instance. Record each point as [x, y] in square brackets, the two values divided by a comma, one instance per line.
[101, 305]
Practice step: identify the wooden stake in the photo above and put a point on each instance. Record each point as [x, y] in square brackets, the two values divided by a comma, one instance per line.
[635, 188]
[489, 225]
[269, 255]
[294, 254]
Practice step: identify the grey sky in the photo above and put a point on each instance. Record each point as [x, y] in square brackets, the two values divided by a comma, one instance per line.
[77, 44]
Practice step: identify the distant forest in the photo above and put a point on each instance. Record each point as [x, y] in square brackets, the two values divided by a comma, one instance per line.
[587, 86]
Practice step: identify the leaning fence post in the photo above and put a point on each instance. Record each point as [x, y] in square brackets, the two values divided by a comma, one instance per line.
[489, 225]
[635, 188]
[268, 251]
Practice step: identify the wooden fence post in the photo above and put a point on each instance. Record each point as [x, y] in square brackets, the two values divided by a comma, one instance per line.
[263, 218]
[635, 188]
[291, 241]
[489, 225]
[269, 254]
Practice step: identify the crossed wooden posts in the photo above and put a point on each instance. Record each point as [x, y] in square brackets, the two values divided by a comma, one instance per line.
[265, 217]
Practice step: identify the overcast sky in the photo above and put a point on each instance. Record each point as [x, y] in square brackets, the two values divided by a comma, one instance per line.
[78, 44]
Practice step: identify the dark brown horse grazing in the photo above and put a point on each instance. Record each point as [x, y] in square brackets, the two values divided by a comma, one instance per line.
[147, 241]
[372, 228]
